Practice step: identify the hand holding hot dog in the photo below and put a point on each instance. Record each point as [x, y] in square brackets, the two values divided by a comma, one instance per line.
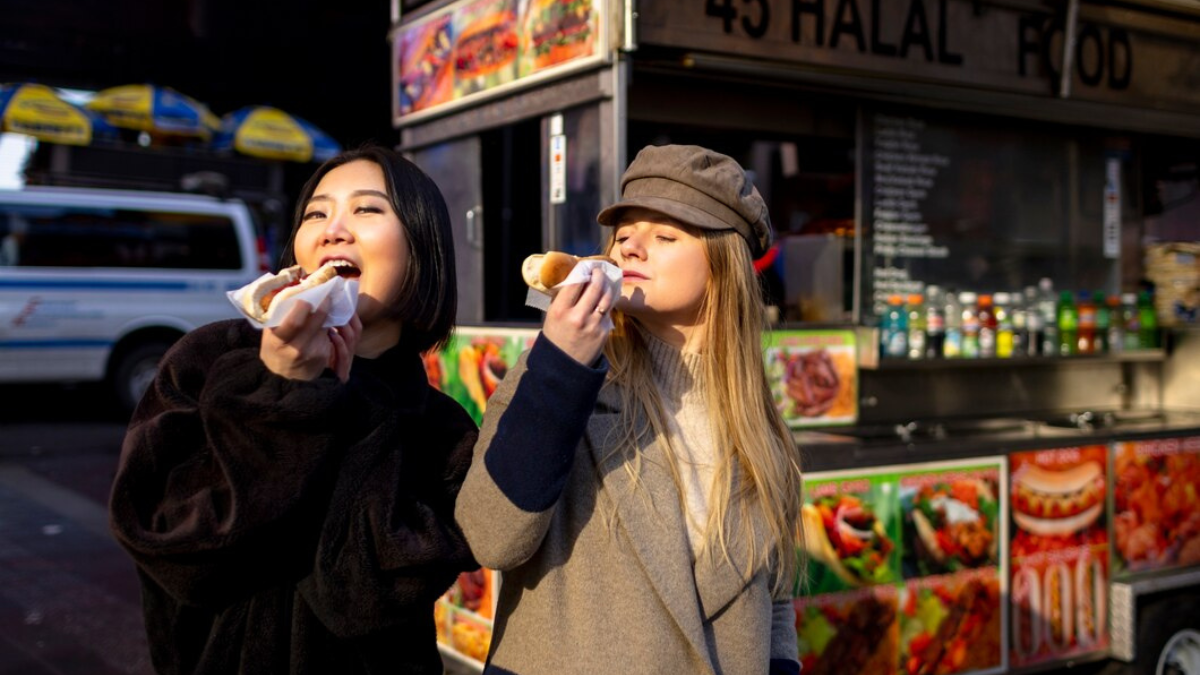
[301, 349]
[345, 342]
[574, 321]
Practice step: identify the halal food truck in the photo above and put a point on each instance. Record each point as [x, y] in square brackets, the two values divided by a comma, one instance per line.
[1019, 510]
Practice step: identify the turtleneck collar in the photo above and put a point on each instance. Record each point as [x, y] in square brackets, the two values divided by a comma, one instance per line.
[398, 364]
[678, 374]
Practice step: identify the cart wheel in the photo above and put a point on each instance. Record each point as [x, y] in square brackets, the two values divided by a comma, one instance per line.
[135, 371]
[1169, 637]
[1181, 654]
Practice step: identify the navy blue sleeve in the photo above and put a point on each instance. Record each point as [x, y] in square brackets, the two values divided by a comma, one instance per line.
[784, 667]
[533, 449]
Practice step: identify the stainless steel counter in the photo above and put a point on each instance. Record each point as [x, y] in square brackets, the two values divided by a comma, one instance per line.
[936, 440]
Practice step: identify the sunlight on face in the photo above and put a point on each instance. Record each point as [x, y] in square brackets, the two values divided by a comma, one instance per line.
[665, 267]
[350, 217]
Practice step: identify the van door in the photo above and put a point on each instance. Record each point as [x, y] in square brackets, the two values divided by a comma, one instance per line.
[455, 167]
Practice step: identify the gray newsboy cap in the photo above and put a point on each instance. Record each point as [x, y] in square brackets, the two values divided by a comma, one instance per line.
[698, 187]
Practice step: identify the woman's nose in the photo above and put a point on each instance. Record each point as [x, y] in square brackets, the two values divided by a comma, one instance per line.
[632, 247]
[336, 230]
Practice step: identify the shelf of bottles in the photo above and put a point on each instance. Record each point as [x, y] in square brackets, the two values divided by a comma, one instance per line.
[941, 327]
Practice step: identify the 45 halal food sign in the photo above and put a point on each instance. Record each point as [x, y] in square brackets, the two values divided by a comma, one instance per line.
[477, 47]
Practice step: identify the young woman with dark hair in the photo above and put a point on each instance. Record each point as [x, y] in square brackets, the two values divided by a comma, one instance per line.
[428, 299]
[288, 493]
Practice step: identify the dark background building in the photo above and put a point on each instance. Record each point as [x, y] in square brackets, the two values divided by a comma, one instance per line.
[324, 61]
[327, 62]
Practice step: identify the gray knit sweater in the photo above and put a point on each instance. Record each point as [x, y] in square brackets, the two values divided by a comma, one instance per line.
[598, 575]
[680, 379]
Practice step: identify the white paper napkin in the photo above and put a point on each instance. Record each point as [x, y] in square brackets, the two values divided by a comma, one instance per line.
[343, 292]
[581, 274]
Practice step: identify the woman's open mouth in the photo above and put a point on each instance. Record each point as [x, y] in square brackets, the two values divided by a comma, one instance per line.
[345, 268]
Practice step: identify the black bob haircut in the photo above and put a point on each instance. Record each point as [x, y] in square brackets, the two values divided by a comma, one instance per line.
[428, 302]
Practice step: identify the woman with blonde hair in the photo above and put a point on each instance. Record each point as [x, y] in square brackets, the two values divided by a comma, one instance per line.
[638, 488]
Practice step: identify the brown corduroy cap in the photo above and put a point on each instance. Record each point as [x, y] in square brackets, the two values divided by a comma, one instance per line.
[698, 187]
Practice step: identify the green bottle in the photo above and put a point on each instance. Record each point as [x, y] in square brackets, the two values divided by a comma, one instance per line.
[1131, 321]
[1068, 324]
[1148, 322]
[1103, 323]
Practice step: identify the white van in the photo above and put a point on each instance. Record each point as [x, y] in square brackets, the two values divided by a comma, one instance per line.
[95, 285]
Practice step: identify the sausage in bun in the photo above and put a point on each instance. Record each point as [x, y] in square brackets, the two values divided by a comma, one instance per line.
[262, 296]
[1057, 502]
[543, 271]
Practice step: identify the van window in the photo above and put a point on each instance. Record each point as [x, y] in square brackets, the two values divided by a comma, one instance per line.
[53, 236]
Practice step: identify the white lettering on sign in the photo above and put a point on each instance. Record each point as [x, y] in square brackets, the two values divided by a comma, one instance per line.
[558, 169]
[1112, 209]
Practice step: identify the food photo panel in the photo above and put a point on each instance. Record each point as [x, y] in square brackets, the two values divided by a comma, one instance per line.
[951, 520]
[952, 609]
[850, 532]
[905, 569]
[1060, 551]
[1156, 504]
[953, 624]
[813, 376]
[852, 632]
[473, 362]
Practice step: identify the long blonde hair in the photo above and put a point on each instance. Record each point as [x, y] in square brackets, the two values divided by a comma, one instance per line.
[753, 444]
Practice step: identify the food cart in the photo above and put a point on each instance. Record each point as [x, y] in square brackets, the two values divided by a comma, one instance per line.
[993, 514]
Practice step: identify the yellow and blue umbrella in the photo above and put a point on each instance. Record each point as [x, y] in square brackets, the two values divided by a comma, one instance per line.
[146, 107]
[270, 133]
[38, 111]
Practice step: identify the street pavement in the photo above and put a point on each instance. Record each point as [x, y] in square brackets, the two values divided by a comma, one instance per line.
[69, 597]
[69, 601]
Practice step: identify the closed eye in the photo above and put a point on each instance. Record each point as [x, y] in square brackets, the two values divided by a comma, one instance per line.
[369, 209]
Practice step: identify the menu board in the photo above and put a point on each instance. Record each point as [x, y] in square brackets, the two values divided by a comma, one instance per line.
[1156, 504]
[474, 361]
[1059, 553]
[906, 570]
[904, 173]
[476, 47]
[813, 376]
[979, 204]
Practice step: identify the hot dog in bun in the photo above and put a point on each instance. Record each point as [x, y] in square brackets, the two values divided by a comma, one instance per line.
[1027, 612]
[1091, 596]
[1058, 605]
[263, 295]
[543, 271]
[1055, 502]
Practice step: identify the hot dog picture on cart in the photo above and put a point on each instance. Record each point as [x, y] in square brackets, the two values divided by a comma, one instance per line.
[1060, 553]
